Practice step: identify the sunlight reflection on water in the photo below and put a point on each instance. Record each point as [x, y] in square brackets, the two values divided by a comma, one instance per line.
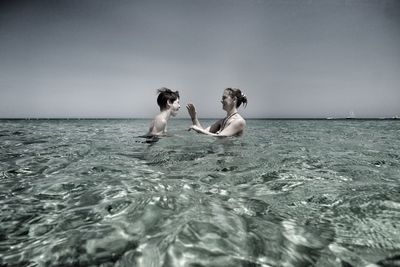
[289, 193]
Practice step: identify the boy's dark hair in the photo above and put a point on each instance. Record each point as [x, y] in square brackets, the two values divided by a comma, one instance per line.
[241, 98]
[165, 94]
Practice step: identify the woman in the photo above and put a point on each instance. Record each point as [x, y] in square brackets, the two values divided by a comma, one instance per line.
[232, 125]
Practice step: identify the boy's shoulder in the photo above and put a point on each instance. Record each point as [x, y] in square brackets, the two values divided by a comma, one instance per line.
[160, 122]
[160, 119]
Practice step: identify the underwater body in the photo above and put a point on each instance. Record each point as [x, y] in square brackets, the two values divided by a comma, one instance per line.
[287, 193]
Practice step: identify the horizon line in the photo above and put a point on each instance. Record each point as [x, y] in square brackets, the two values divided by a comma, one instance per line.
[205, 118]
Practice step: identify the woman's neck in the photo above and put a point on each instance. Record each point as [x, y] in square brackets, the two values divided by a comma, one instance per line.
[231, 112]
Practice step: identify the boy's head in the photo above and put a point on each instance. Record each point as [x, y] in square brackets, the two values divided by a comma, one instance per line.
[167, 98]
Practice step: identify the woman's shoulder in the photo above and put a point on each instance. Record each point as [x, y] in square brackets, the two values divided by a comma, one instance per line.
[239, 124]
[239, 118]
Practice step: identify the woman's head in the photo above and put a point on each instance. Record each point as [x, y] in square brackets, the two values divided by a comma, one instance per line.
[168, 98]
[237, 96]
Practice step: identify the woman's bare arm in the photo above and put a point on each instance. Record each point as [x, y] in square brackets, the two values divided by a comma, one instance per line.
[193, 114]
[234, 128]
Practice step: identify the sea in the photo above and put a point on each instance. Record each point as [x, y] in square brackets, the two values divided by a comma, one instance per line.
[288, 193]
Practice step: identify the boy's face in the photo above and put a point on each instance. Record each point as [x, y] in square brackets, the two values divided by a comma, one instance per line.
[174, 106]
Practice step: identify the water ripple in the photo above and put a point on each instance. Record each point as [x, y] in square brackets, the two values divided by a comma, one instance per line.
[290, 193]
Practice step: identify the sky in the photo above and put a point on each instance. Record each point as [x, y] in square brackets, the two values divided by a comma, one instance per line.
[292, 58]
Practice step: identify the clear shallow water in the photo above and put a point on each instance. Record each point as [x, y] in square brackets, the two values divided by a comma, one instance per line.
[288, 193]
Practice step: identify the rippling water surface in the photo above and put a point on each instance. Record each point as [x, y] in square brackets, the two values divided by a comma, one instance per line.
[288, 193]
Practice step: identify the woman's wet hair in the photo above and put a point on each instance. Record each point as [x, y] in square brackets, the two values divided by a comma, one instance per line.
[165, 94]
[241, 98]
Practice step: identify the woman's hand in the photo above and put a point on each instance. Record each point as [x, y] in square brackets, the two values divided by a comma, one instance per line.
[191, 110]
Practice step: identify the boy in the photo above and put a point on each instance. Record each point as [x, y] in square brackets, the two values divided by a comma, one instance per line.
[168, 101]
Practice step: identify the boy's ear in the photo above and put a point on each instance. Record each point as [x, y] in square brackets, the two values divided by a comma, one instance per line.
[169, 103]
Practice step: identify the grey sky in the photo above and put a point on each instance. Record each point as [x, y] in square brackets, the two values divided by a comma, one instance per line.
[292, 58]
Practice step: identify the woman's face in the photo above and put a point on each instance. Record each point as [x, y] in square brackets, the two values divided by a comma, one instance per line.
[228, 102]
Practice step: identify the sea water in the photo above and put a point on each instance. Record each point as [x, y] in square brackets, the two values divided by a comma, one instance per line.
[287, 193]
